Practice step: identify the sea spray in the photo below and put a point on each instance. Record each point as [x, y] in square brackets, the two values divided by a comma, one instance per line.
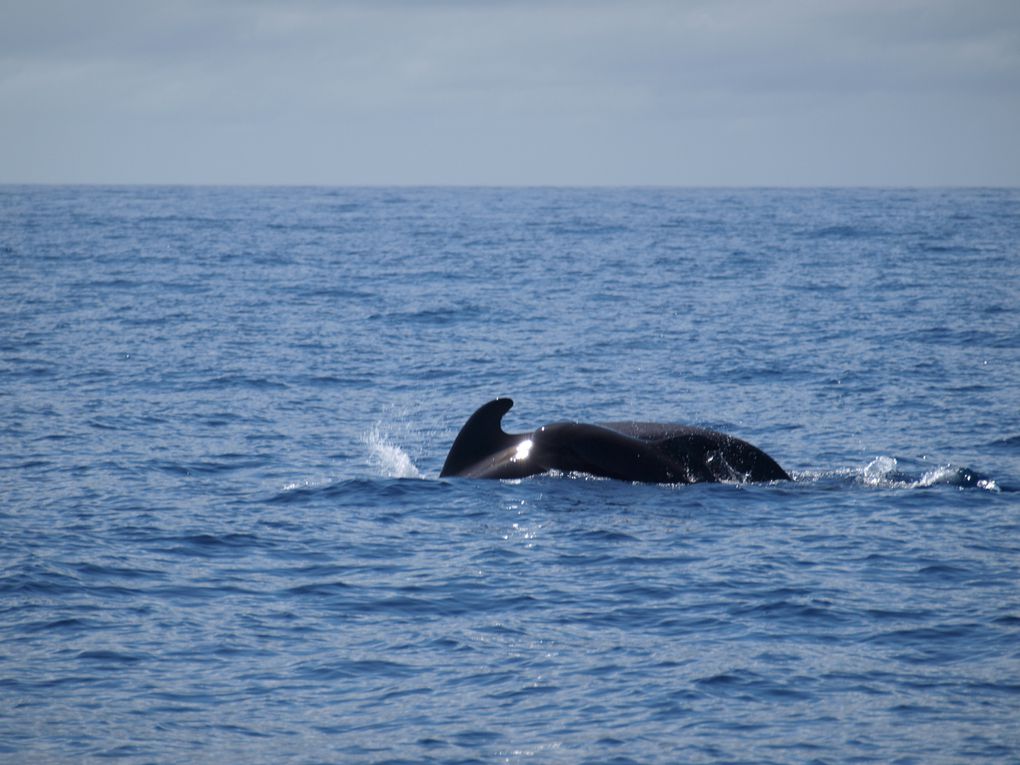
[390, 460]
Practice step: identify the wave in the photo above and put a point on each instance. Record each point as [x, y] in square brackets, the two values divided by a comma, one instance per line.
[388, 492]
[1007, 442]
[885, 473]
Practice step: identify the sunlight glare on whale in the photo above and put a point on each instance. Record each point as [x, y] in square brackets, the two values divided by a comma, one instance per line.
[523, 450]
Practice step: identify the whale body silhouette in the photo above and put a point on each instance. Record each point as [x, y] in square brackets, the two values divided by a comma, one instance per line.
[648, 452]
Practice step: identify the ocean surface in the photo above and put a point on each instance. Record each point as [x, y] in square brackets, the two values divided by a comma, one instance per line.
[223, 538]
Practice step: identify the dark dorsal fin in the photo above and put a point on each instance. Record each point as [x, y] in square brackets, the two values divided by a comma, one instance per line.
[480, 437]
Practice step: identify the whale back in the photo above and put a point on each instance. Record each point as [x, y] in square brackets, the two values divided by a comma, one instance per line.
[635, 451]
[481, 436]
[655, 431]
[709, 454]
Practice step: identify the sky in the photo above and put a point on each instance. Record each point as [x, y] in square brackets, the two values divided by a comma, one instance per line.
[511, 92]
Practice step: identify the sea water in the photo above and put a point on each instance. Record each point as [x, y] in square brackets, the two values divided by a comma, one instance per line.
[223, 537]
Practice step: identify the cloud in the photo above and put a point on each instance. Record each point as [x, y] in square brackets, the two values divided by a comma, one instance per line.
[656, 91]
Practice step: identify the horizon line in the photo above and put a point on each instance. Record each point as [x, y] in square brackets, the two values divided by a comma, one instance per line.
[521, 186]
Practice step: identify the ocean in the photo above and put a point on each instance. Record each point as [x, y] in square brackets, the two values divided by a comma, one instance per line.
[223, 538]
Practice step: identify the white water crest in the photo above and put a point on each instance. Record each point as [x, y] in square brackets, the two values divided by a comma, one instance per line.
[885, 472]
[880, 472]
[388, 458]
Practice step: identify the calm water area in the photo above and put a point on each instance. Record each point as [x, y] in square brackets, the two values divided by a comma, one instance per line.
[223, 537]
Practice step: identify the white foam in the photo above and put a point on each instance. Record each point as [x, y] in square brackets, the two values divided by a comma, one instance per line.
[884, 472]
[952, 476]
[879, 472]
[390, 459]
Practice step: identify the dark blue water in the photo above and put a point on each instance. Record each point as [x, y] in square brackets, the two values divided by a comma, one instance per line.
[223, 411]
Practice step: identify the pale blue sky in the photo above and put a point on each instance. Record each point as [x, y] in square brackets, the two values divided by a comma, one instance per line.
[664, 92]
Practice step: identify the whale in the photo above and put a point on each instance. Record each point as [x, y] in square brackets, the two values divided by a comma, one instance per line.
[640, 452]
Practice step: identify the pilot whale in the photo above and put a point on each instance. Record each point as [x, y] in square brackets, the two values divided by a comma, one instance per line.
[647, 452]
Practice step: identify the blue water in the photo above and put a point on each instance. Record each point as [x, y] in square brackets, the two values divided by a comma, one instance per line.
[223, 539]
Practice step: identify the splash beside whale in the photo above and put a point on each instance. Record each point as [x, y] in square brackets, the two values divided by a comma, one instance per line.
[646, 452]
